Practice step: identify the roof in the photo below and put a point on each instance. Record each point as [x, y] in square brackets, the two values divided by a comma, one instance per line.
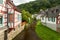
[15, 8]
[51, 12]
[42, 13]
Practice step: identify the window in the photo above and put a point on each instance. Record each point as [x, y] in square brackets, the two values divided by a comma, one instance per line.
[51, 19]
[18, 17]
[1, 1]
[1, 20]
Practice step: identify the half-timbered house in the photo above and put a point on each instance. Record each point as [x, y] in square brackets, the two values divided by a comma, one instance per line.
[10, 16]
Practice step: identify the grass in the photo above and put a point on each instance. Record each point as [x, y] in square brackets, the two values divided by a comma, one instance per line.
[45, 33]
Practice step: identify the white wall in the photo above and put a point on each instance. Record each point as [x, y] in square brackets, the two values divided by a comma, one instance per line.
[3, 8]
[43, 20]
[16, 20]
[4, 19]
[38, 17]
[46, 20]
[49, 24]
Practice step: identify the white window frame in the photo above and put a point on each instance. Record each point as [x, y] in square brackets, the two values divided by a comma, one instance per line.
[52, 19]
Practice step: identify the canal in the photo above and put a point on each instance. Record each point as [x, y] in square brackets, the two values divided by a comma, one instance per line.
[28, 33]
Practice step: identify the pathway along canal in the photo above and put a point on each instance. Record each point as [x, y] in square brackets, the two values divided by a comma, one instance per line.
[28, 33]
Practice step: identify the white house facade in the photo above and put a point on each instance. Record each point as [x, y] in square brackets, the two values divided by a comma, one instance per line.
[49, 22]
[51, 18]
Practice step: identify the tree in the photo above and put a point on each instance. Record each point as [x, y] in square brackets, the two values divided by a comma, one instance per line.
[35, 6]
[26, 16]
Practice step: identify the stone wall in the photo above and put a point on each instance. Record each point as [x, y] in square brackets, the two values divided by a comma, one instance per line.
[3, 33]
[15, 32]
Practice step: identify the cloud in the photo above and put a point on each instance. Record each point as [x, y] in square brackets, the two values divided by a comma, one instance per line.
[17, 2]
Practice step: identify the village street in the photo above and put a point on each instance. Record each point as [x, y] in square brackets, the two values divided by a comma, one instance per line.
[28, 33]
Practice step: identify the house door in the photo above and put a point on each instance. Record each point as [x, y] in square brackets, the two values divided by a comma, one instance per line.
[10, 20]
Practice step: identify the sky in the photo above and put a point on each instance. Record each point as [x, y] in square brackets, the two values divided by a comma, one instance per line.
[18, 2]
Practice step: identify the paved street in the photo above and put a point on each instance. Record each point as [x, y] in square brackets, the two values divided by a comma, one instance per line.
[28, 34]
